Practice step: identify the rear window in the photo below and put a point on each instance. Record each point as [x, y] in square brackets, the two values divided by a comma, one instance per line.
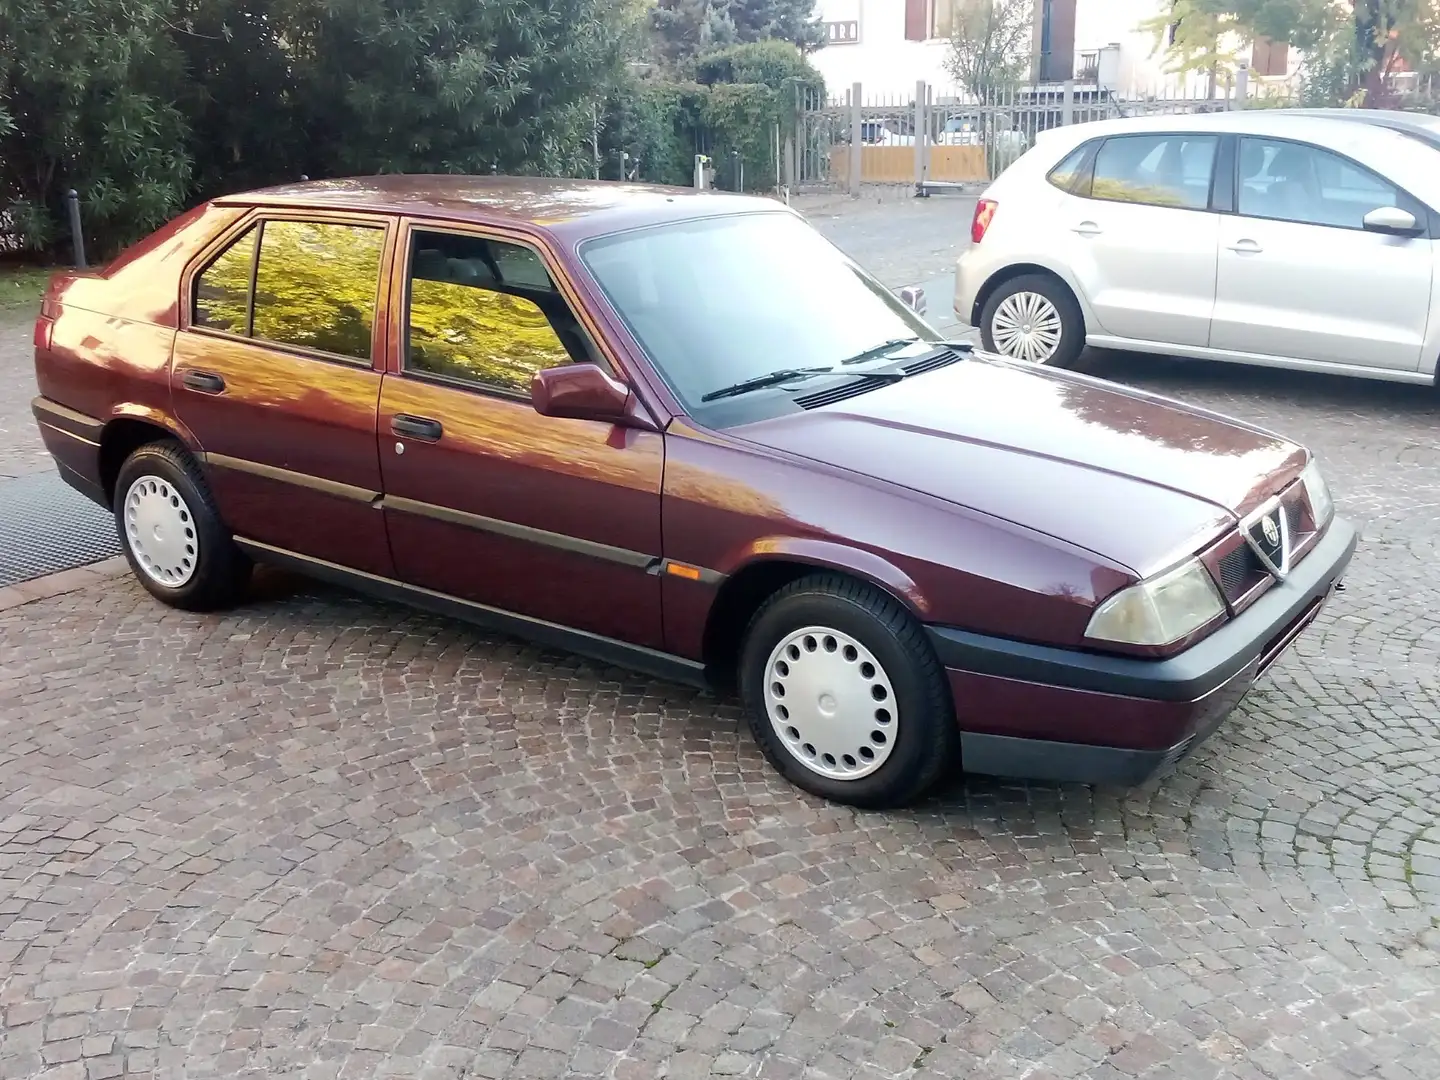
[1071, 175]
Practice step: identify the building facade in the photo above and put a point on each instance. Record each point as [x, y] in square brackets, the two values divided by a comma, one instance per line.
[887, 45]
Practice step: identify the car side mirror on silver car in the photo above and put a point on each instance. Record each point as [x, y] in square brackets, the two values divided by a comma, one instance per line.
[1393, 221]
[913, 297]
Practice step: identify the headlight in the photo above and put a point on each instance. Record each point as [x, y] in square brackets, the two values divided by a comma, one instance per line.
[1321, 505]
[1161, 610]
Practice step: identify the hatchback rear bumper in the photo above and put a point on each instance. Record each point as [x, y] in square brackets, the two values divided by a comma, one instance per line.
[1062, 715]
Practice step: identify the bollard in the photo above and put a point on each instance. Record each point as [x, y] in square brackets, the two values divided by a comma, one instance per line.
[701, 164]
[77, 238]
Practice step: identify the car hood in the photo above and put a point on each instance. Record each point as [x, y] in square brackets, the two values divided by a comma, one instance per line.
[1138, 479]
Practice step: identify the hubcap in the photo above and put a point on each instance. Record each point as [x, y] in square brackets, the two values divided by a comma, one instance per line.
[161, 531]
[831, 703]
[1026, 326]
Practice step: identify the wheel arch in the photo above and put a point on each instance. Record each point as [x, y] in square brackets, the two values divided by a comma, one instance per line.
[125, 433]
[769, 567]
[1024, 269]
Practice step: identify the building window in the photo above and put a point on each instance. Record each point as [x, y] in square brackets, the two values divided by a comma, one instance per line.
[1269, 57]
[926, 20]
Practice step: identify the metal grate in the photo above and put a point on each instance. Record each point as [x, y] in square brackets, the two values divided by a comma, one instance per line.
[46, 526]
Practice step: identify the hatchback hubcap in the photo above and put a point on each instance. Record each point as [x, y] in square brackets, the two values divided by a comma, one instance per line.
[1026, 326]
[831, 703]
[161, 531]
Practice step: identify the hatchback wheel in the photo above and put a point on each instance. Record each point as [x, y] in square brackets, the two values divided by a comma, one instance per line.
[844, 694]
[172, 534]
[1036, 319]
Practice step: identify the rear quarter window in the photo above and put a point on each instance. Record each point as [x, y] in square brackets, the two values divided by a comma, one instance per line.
[1071, 175]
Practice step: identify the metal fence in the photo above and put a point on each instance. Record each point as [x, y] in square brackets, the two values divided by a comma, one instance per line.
[934, 138]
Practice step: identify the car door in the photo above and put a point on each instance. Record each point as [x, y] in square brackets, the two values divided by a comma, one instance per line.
[272, 372]
[1300, 276]
[485, 499]
[1141, 239]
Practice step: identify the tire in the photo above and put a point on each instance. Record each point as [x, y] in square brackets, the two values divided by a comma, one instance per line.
[850, 626]
[1045, 300]
[171, 533]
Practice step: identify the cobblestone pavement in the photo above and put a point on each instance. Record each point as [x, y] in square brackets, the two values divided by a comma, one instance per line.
[327, 838]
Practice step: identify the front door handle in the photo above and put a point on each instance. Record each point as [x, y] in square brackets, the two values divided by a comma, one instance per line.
[1246, 247]
[1087, 228]
[416, 427]
[206, 382]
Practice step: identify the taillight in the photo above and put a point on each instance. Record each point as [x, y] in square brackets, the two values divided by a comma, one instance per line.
[44, 329]
[984, 214]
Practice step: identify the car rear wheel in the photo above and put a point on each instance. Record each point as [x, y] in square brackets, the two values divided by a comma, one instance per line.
[1034, 318]
[844, 694]
[172, 534]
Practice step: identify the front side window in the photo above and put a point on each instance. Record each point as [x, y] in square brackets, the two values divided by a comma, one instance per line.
[222, 291]
[1156, 170]
[721, 300]
[1288, 181]
[486, 313]
[315, 286]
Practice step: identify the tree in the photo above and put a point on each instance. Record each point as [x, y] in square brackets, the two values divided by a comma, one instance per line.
[87, 87]
[685, 29]
[1353, 44]
[990, 44]
[1194, 37]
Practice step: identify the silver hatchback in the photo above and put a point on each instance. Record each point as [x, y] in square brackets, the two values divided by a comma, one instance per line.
[1290, 238]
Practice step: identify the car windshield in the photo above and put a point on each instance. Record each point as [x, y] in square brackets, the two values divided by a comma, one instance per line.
[719, 302]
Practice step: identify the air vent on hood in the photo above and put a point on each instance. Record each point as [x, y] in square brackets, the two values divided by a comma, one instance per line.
[930, 363]
[830, 395]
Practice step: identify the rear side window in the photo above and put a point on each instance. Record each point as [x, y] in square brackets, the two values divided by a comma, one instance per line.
[222, 292]
[1071, 175]
[316, 284]
[1156, 170]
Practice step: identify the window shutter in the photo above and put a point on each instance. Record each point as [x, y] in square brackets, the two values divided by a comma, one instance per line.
[916, 17]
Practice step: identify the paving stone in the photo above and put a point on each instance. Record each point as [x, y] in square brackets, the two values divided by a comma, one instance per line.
[325, 837]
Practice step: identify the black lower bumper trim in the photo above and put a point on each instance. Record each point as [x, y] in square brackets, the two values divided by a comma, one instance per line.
[1186, 677]
[1075, 763]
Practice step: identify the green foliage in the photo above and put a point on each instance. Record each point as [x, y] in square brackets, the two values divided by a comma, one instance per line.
[741, 119]
[1199, 36]
[776, 64]
[655, 124]
[684, 29]
[145, 105]
[87, 88]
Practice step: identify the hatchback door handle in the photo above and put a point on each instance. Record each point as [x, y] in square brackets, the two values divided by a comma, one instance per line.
[1246, 247]
[416, 427]
[1087, 228]
[206, 382]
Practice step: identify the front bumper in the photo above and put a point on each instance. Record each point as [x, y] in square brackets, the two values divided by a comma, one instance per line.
[1058, 714]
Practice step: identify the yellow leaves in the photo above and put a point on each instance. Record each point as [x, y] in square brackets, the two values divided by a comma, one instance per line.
[480, 336]
[316, 285]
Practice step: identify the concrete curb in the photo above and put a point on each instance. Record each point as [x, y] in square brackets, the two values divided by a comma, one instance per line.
[66, 581]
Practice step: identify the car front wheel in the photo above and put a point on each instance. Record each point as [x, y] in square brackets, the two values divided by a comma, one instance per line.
[172, 534]
[1034, 318]
[844, 694]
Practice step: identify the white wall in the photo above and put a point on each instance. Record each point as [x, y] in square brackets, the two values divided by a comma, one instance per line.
[884, 62]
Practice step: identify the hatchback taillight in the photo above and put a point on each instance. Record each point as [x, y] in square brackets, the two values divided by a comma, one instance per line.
[44, 330]
[984, 215]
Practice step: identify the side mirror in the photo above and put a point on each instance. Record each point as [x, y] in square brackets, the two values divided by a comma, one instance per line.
[581, 392]
[913, 297]
[1393, 221]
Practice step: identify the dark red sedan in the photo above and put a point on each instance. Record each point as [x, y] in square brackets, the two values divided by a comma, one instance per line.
[682, 432]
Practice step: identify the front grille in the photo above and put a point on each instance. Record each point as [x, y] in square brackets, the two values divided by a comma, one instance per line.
[1239, 571]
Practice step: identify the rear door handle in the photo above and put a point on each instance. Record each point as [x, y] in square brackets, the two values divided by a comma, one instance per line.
[206, 382]
[1087, 228]
[416, 427]
[1246, 247]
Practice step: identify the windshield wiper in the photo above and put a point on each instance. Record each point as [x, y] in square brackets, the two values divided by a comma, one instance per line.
[760, 382]
[880, 350]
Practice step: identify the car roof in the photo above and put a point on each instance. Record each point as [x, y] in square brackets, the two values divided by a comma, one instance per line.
[580, 208]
